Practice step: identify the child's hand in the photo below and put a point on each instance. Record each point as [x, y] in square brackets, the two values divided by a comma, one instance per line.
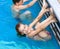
[45, 5]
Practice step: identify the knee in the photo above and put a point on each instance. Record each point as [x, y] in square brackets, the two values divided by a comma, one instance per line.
[27, 12]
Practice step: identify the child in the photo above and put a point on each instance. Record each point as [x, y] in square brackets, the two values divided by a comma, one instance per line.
[18, 7]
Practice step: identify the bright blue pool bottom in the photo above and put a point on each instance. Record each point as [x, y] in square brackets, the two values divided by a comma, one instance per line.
[8, 36]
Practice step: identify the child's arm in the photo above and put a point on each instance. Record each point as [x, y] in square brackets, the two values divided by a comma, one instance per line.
[44, 9]
[37, 19]
[28, 5]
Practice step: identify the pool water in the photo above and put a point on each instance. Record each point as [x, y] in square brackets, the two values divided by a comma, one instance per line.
[8, 34]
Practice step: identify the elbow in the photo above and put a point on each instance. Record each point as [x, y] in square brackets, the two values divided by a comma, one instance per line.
[29, 35]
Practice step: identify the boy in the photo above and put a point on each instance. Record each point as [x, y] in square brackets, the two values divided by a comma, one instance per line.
[18, 6]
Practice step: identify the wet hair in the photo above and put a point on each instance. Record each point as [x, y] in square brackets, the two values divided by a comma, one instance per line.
[16, 1]
[18, 32]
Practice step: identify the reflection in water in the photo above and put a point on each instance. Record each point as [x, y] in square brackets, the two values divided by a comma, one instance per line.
[13, 45]
[21, 45]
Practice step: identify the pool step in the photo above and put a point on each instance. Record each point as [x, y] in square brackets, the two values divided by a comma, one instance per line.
[54, 26]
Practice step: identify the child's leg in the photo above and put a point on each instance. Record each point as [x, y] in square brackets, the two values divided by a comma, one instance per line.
[25, 15]
[38, 17]
[46, 22]
[49, 20]
[45, 5]
[27, 12]
[44, 9]
[43, 25]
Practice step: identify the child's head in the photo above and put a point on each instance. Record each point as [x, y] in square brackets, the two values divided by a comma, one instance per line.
[18, 2]
[20, 29]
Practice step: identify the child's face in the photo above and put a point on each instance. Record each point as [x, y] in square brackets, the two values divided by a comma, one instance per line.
[21, 28]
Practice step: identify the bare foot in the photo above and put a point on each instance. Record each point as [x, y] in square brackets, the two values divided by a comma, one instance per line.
[43, 36]
[47, 10]
[44, 7]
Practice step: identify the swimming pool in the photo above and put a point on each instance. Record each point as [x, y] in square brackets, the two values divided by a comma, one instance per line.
[8, 36]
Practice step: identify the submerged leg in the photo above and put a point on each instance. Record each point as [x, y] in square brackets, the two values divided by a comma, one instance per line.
[44, 9]
[38, 17]
[44, 24]
[25, 15]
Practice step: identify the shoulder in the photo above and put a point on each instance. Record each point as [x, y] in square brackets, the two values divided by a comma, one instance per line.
[15, 8]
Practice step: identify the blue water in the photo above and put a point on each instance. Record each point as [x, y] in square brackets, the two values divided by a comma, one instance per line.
[8, 34]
